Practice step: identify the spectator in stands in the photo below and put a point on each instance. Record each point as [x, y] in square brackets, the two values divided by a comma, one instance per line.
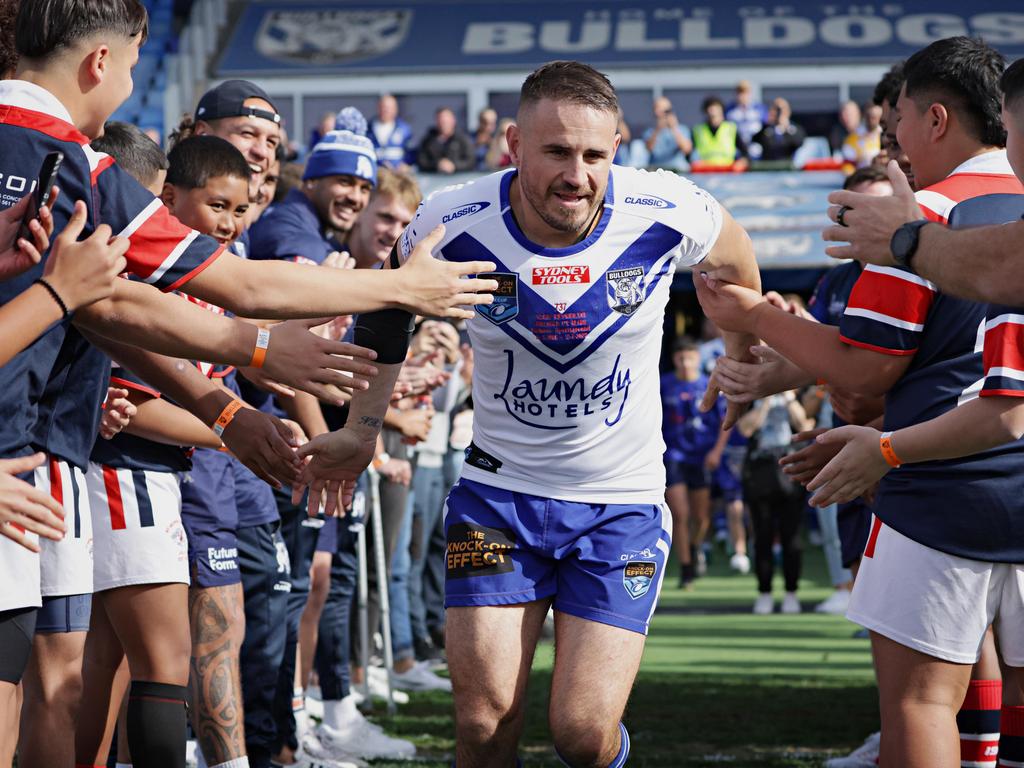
[668, 142]
[623, 154]
[390, 134]
[325, 126]
[776, 502]
[445, 149]
[717, 141]
[749, 115]
[863, 144]
[498, 156]
[780, 138]
[849, 122]
[486, 130]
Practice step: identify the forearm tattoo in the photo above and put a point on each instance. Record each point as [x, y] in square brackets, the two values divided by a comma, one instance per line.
[215, 615]
[371, 421]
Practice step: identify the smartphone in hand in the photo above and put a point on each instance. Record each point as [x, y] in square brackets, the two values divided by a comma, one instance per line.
[44, 188]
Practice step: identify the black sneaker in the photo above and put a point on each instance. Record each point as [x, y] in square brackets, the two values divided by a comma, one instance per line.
[425, 650]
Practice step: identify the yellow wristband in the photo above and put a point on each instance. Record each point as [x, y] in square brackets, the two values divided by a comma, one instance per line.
[888, 453]
[226, 416]
[259, 354]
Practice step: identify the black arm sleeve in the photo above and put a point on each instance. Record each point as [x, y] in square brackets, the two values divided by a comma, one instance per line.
[387, 331]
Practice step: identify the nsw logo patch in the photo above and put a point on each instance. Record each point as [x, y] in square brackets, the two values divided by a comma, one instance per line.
[625, 289]
[506, 298]
[637, 577]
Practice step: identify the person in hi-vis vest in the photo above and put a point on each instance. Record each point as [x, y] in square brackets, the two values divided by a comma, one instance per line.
[716, 141]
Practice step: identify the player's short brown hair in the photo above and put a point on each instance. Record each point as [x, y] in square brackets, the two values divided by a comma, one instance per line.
[398, 186]
[46, 27]
[570, 81]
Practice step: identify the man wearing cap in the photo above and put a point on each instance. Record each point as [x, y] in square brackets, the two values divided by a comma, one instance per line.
[311, 223]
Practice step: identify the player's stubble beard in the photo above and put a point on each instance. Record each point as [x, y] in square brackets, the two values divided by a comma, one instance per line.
[576, 223]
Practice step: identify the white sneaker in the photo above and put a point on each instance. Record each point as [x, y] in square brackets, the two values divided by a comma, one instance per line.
[361, 738]
[420, 678]
[702, 563]
[312, 754]
[305, 759]
[315, 706]
[378, 680]
[864, 756]
[764, 604]
[790, 603]
[740, 563]
[836, 603]
[190, 753]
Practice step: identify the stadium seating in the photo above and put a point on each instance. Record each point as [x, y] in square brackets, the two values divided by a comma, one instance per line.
[145, 107]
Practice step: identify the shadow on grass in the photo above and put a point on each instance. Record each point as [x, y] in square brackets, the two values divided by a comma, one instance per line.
[681, 719]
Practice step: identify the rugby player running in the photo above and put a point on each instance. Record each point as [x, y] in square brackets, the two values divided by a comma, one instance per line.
[561, 500]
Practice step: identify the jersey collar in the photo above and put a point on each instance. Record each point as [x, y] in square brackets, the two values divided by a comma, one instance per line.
[987, 162]
[26, 95]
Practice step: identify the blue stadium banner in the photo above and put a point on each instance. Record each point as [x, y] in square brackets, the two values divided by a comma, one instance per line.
[417, 35]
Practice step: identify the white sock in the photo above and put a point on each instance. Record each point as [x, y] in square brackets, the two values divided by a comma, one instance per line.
[122, 765]
[238, 762]
[340, 712]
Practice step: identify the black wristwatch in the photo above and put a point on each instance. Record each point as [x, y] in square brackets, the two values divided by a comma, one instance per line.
[904, 242]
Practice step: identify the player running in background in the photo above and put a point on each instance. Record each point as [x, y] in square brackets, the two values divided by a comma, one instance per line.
[695, 441]
[561, 500]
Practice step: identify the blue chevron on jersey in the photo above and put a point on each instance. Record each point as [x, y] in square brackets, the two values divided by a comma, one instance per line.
[565, 383]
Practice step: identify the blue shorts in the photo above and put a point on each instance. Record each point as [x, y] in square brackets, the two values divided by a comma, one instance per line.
[854, 521]
[602, 562]
[327, 540]
[727, 479]
[209, 513]
[254, 499]
[67, 613]
[693, 476]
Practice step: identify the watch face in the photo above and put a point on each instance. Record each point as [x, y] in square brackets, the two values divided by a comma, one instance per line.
[903, 243]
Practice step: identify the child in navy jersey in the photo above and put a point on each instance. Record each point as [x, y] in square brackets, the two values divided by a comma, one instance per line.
[694, 443]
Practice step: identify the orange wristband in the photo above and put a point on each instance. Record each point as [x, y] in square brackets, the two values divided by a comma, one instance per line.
[226, 416]
[885, 443]
[259, 354]
[821, 382]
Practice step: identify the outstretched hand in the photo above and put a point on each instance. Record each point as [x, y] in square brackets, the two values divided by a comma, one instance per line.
[869, 221]
[336, 459]
[437, 288]
[855, 469]
[732, 307]
[265, 444]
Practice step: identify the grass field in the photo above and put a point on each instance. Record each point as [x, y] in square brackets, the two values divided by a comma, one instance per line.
[718, 685]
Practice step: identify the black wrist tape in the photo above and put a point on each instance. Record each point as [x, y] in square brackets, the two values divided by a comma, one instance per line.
[387, 332]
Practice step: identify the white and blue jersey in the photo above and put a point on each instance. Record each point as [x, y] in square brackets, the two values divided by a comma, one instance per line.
[566, 384]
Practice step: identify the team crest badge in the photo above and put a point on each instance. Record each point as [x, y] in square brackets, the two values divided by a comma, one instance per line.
[637, 577]
[331, 37]
[506, 299]
[625, 289]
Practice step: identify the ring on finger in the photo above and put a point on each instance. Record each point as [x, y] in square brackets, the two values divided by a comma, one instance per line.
[841, 213]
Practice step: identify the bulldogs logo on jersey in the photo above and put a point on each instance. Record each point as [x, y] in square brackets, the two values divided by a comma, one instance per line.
[638, 576]
[506, 298]
[625, 289]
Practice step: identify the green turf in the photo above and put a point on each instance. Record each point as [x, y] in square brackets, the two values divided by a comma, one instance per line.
[718, 685]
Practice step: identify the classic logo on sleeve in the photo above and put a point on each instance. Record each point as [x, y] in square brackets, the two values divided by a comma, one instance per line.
[625, 289]
[506, 298]
[637, 577]
[476, 550]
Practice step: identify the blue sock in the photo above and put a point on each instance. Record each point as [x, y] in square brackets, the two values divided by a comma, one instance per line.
[620, 759]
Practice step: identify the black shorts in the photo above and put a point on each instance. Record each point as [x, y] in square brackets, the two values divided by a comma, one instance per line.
[17, 628]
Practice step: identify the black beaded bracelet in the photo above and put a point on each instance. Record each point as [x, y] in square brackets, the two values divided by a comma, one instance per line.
[56, 296]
